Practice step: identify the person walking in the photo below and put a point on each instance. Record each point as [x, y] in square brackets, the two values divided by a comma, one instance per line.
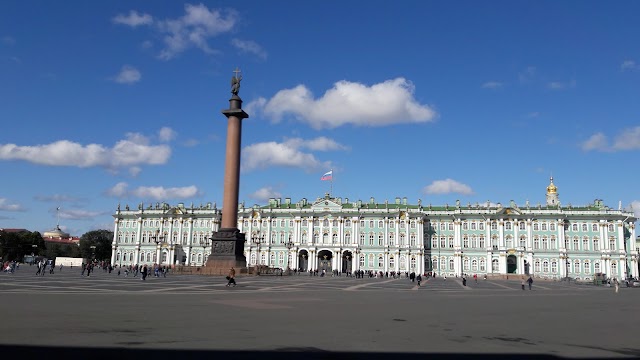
[616, 284]
[530, 281]
[522, 283]
[143, 272]
[231, 278]
[419, 279]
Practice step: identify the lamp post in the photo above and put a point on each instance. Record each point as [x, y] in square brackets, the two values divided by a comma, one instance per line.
[256, 240]
[205, 243]
[93, 252]
[357, 251]
[157, 238]
[289, 244]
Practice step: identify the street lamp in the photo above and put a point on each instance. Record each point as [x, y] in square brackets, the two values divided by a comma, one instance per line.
[34, 251]
[357, 251]
[289, 244]
[157, 238]
[93, 252]
[205, 244]
[256, 240]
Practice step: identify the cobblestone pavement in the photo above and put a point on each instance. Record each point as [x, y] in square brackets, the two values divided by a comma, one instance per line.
[339, 314]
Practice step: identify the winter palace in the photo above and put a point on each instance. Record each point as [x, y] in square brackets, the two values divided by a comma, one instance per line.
[332, 233]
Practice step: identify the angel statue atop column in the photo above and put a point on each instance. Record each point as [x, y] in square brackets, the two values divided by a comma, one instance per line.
[235, 82]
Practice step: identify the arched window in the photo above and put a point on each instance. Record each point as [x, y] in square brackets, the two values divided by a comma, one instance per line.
[402, 239]
[474, 265]
[263, 259]
[465, 241]
[380, 239]
[392, 262]
[612, 243]
[482, 265]
[451, 264]
[371, 237]
[403, 263]
[596, 244]
[347, 223]
[325, 223]
[545, 266]
[347, 238]
[576, 266]
[587, 267]
[596, 267]
[325, 238]
[362, 236]
[536, 266]
[413, 263]
[412, 239]
[361, 260]
[305, 222]
[507, 225]
[334, 238]
[465, 264]
[554, 267]
[380, 261]
[495, 266]
[391, 239]
[253, 259]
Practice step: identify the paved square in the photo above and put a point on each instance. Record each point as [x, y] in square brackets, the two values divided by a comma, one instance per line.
[324, 313]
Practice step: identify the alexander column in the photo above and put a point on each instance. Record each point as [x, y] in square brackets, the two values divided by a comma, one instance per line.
[227, 244]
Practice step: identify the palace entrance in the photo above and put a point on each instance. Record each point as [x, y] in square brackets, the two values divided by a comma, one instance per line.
[303, 261]
[512, 264]
[324, 261]
[347, 261]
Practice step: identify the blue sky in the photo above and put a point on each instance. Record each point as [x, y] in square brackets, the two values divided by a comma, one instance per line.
[107, 102]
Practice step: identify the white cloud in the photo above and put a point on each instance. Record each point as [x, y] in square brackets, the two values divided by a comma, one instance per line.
[628, 139]
[166, 134]
[249, 47]
[635, 207]
[318, 144]
[132, 151]
[527, 74]
[128, 75]
[6, 205]
[135, 171]
[8, 40]
[121, 190]
[597, 141]
[79, 214]
[387, 103]
[629, 65]
[191, 143]
[57, 198]
[133, 19]
[492, 85]
[558, 85]
[194, 29]
[447, 186]
[265, 194]
[268, 154]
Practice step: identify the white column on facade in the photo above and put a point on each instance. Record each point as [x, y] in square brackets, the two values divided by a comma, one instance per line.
[501, 243]
[114, 242]
[620, 236]
[397, 262]
[604, 230]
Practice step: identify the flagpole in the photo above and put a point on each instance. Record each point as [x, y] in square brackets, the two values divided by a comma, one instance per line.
[331, 185]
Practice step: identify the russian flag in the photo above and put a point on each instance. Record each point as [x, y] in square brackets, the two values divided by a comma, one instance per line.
[327, 176]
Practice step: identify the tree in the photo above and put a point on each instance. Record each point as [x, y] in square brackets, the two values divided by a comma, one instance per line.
[15, 245]
[96, 244]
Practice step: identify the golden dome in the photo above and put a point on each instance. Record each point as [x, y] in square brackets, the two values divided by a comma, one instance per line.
[552, 189]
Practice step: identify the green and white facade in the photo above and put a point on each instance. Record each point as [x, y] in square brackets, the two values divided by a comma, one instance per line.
[331, 233]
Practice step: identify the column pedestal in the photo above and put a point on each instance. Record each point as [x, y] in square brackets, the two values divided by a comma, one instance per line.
[226, 251]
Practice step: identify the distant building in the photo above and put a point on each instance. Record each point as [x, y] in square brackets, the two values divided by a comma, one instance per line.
[57, 236]
[331, 233]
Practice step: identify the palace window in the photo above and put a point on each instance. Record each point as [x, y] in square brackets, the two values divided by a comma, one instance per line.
[575, 243]
[263, 259]
[481, 226]
[434, 243]
[347, 238]
[465, 241]
[465, 226]
[413, 225]
[403, 263]
[465, 264]
[434, 263]
[585, 243]
[362, 237]
[596, 244]
[545, 266]
[507, 225]
[305, 222]
[450, 241]
[413, 263]
[554, 267]
[553, 242]
[451, 265]
[574, 227]
[316, 238]
[450, 225]
[325, 238]
[347, 223]
[412, 240]
[403, 240]
[391, 225]
[380, 261]
[482, 265]
[402, 224]
[371, 238]
[443, 226]
[380, 224]
[335, 223]
[443, 242]
[380, 239]
[334, 238]
[494, 242]
[576, 266]
[474, 241]
[361, 260]
[482, 242]
[392, 262]
[545, 243]
[552, 227]
[596, 267]
[391, 239]
[612, 243]
[473, 226]
[361, 223]
[584, 227]
[536, 266]
[536, 243]
[325, 223]
[594, 227]
[494, 225]
[523, 241]
[474, 265]
[316, 222]
[509, 241]
[370, 223]
[587, 267]
[544, 226]
[494, 265]
[536, 226]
